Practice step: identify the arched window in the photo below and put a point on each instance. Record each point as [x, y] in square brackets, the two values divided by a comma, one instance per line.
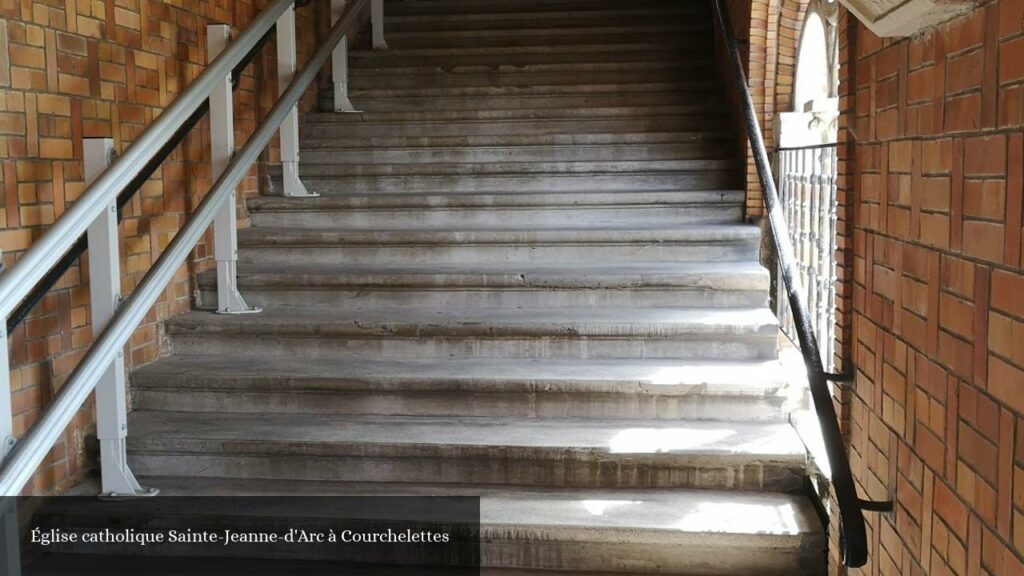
[812, 66]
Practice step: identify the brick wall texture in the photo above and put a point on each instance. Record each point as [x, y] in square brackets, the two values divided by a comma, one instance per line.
[932, 295]
[106, 68]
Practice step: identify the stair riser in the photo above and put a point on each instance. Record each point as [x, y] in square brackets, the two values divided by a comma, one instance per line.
[527, 183]
[315, 170]
[695, 348]
[340, 121]
[464, 403]
[489, 297]
[401, 8]
[511, 467]
[666, 64]
[520, 253]
[582, 201]
[444, 80]
[514, 155]
[511, 104]
[526, 21]
[663, 40]
[507, 551]
[385, 60]
[686, 89]
[438, 217]
[527, 127]
[621, 138]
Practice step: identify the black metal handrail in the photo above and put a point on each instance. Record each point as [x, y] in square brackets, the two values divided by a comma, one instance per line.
[853, 536]
[47, 282]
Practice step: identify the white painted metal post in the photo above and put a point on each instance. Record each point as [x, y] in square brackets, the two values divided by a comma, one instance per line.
[105, 296]
[10, 543]
[339, 64]
[6, 409]
[287, 60]
[222, 144]
[10, 537]
[377, 22]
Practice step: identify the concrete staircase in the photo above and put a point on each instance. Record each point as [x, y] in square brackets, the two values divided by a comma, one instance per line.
[527, 278]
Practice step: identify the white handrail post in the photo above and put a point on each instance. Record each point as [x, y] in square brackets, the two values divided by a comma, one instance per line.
[287, 59]
[105, 297]
[377, 22]
[6, 407]
[10, 541]
[222, 144]
[339, 64]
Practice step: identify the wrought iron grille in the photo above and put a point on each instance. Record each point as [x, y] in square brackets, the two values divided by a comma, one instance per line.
[807, 187]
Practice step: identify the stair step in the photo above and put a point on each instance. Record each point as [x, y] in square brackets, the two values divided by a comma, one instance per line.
[305, 213]
[526, 22]
[603, 104]
[402, 8]
[648, 531]
[472, 168]
[502, 199]
[665, 37]
[512, 155]
[684, 333]
[448, 69]
[428, 115]
[519, 79]
[480, 387]
[505, 128]
[682, 87]
[602, 51]
[481, 285]
[565, 453]
[687, 243]
[342, 139]
[332, 185]
[386, 60]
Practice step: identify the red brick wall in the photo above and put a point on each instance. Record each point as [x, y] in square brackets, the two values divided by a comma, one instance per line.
[106, 69]
[932, 294]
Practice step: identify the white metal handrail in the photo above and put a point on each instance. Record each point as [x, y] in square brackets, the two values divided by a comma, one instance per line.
[47, 250]
[21, 462]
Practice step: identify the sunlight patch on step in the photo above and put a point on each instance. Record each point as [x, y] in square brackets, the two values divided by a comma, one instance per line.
[599, 507]
[655, 440]
[743, 518]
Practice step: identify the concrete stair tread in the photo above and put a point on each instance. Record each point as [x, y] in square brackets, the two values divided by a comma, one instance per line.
[654, 26]
[341, 141]
[567, 122]
[518, 154]
[418, 435]
[662, 514]
[596, 48]
[651, 62]
[584, 234]
[412, 322]
[634, 531]
[702, 275]
[470, 169]
[694, 86]
[460, 200]
[548, 375]
[547, 112]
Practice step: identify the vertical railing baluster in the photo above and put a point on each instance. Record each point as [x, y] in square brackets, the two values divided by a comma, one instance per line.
[104, 298]
[287, 60]
[339, 64]
[807, 195]
[377, 22]
[10, 536]
[222, 148]
[6, 408]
